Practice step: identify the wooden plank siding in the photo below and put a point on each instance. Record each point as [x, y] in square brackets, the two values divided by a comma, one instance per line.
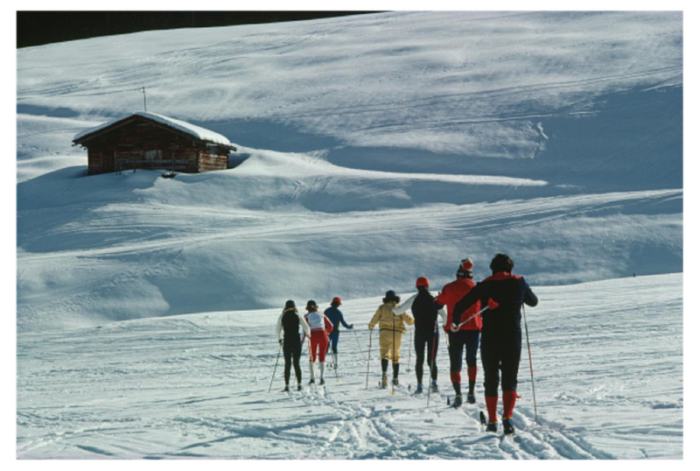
[209, 162]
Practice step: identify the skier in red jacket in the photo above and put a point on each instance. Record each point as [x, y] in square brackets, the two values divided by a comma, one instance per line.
[467, 336]
[321, 327]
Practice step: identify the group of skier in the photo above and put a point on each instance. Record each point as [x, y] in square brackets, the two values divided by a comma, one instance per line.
[322, 331]
[488, 313]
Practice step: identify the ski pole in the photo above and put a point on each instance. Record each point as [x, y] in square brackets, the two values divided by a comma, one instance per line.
[492, 305]
[275, 370]
[532, 374]
[432, 362]
[336, 367]
[410, 344]
[393, 353]
[369, 354]
[359, 347]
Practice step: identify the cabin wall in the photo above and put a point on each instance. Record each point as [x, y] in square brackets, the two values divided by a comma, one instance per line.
[210, 161]
[142, 145]
[110, 159]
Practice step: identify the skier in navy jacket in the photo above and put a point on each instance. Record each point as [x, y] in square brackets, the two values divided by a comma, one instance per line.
[335, 315]
[425, 312]
[501, 334]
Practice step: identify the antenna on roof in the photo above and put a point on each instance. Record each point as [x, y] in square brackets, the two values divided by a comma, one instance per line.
[143, 90]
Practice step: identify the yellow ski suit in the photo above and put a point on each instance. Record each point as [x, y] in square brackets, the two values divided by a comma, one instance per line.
[391, 330]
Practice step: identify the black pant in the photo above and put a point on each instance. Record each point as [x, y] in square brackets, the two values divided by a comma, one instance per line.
[292, 350]
[395, 366]
[459, 340]
[421, 341]
[500, 353]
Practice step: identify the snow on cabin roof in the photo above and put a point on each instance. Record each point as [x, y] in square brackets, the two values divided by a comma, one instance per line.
[194, 131]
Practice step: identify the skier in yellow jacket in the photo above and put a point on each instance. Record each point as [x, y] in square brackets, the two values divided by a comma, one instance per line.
[391, 330]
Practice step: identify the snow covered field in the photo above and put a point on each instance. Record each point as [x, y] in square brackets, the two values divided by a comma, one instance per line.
[608, 378]
[375, 149]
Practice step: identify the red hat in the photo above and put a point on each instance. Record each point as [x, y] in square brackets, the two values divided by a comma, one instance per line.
[467, 264]
[422, 282]
[336, 300]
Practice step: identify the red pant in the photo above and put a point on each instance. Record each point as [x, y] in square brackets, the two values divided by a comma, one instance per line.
[319, 341]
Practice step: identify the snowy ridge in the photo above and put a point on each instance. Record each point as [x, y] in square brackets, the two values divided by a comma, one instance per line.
[273, 164]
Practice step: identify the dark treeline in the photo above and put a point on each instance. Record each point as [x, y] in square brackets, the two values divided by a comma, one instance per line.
[35, 28]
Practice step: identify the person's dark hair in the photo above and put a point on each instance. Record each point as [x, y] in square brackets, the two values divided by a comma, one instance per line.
[311, 305]
[502, 262]
[290, 305]
[462, 273]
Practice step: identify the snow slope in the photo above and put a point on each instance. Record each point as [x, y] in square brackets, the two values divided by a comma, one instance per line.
[375, 149]
[608, 373]
[379, 148]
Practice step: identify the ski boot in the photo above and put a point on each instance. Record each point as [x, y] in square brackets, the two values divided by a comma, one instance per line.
[457, 403]
[434, 387]
[492, 427]
[286, 389]
[395, 381]
[313, 381]
[322, 382]
[385, 382]
[471, 399]
[299, 388]
[419, 388]
[508, 428]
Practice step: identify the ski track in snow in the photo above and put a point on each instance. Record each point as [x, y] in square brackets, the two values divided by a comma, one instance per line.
[466, 221]
[196, 386]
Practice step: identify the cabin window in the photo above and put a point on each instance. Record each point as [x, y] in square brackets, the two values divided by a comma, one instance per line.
[152, 155]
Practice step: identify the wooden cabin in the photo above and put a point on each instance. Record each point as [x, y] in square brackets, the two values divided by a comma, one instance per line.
[151, 141]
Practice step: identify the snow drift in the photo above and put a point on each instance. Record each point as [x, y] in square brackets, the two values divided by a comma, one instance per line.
[379, 148]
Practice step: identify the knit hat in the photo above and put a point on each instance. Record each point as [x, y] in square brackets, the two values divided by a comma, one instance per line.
[465, 268]
[289, 304]
[336, 300]
[422, 282]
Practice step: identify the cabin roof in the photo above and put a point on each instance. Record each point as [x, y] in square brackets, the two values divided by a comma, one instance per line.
[196, 132]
